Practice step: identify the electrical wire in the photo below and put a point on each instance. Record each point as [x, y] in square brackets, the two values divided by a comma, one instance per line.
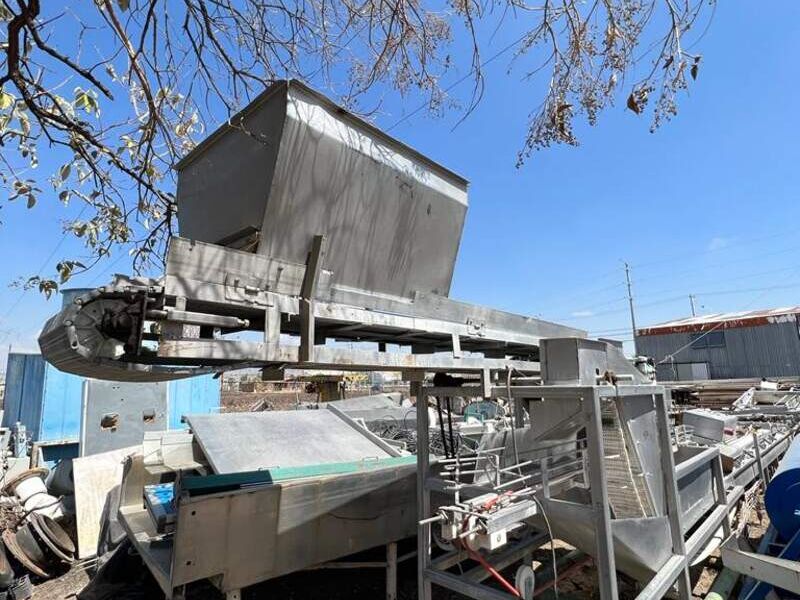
[693, 254]
[681, 297]
[535, 499]
[46, 261]
[552, 544]
[450, 426]
[592, 293]
[441, 426]
[671, 356]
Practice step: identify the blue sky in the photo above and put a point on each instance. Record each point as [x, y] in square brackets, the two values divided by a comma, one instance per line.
[707, 205]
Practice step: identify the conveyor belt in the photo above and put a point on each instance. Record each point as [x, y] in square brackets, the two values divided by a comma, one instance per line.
[241, 442]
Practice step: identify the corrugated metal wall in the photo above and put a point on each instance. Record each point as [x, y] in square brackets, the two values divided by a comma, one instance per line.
[771, 350]
[195, 395]
[24, 385]
[61, 405]
[48, 401]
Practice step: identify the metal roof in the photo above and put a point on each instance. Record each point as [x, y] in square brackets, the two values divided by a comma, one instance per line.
[730, 320]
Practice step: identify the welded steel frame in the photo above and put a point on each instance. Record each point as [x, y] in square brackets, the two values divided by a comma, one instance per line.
[209, 292]
[434, 572]
[438, 330]
[674, 572]
[770, 571]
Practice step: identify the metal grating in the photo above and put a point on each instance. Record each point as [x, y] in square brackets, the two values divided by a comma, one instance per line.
[627, 489]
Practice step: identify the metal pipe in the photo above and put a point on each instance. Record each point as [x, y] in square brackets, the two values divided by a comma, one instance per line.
[723, 585]
[769, 449]
[513, 482]
[695, 462]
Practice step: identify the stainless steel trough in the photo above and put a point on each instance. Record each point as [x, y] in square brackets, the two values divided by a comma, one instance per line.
[268, 504]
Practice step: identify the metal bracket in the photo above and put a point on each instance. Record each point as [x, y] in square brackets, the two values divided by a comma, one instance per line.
[307, 292]
[477, 327]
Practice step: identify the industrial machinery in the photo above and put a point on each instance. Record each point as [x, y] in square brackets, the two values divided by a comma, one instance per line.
[598, 466]
[239, 501]
[298, 220]
[302, 224]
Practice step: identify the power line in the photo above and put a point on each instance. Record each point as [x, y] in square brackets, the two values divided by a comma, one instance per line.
[610, 331]
[671, 355]
[660, 293]
[747, 291]
[751, 275]
[97, 277]
[694, 253]
[46, 262]
[725, 263]
[677, 298]
[593, 292]
[620, 310]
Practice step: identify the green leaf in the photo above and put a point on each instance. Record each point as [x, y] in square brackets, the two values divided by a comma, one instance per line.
[31, 200]
[6, 100]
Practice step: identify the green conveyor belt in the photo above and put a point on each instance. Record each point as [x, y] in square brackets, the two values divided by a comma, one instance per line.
[209, 484]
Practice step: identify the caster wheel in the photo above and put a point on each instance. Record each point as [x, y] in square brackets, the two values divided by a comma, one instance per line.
[525, 582]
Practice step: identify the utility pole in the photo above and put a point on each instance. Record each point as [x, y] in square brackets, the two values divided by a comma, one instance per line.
[691, 301]
[630, 301]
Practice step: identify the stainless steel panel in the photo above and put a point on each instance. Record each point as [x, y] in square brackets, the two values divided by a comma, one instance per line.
[265, 532]
[241, 442]
[116, 415]
[373, 401]
[695, 489]
[295, 165]
[641, 432]
[578, 361]
[709, 425]
[641, 546]
[223, 186]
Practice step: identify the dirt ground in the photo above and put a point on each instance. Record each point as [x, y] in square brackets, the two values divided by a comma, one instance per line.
[135, 583]
[250, 401]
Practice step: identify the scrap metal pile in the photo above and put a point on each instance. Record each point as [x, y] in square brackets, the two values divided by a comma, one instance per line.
[37, 532]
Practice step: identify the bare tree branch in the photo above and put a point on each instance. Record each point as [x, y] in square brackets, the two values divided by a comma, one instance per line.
[149, 76]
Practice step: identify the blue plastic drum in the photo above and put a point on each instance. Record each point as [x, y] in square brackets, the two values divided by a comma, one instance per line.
[782, 497]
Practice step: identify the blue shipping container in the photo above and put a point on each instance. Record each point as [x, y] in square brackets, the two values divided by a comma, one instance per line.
[45, 400]
[48, 401]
